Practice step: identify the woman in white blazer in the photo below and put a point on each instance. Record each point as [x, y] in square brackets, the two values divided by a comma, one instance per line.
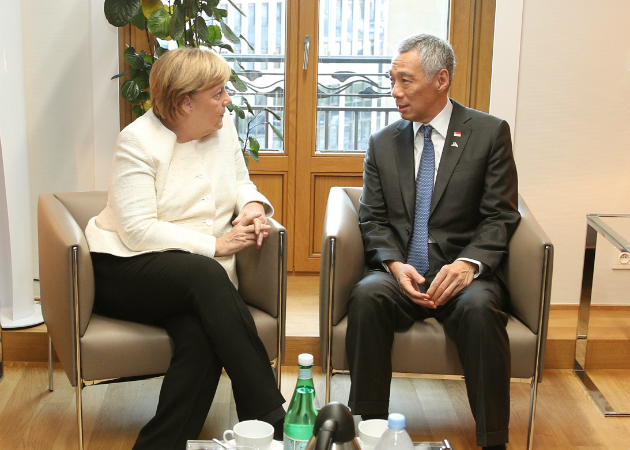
[164, 247]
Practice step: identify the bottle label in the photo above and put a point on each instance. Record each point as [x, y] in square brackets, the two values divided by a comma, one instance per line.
[294, 444]
[305, 374]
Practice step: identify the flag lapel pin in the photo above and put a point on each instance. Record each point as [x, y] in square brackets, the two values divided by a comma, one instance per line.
[457, 134]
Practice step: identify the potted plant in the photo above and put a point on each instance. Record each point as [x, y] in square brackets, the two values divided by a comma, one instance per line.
[188, 23]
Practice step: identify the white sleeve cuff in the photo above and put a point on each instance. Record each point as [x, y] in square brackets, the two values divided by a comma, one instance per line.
[480, 265]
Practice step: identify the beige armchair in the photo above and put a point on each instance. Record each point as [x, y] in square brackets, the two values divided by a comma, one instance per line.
[94, 349]
[424, 348]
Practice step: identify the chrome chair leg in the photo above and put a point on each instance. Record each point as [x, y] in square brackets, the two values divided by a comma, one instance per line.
[50, 364]
[532, 412]
[79, 393]
[278, 372]
[328, 379]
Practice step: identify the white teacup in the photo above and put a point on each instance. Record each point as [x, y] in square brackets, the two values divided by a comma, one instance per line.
[254, 433]
[370, 431]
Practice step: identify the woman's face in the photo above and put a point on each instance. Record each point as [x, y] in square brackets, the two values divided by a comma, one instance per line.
[208, 109]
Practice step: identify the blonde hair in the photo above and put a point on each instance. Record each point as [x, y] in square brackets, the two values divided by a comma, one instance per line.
[182, 72]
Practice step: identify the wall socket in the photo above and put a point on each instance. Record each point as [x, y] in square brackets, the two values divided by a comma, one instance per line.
[621, 260]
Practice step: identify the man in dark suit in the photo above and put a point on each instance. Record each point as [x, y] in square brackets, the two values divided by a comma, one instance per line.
[438, 208]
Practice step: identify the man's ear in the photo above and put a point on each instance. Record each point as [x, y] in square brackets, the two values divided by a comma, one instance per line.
[442, 80]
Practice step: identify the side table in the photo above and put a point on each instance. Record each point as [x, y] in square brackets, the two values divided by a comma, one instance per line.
[616, 229]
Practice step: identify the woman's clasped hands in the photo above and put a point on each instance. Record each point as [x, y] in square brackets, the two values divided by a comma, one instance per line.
[250, 227]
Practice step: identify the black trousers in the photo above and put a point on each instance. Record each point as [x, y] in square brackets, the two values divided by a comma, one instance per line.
[192, 297]
[473, 319]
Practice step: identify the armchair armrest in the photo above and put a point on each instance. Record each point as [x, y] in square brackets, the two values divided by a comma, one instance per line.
[262, 274]
[528, 271]
[342, 261]
[58, 233]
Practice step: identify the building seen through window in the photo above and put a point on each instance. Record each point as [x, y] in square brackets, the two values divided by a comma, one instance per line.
[357, 39]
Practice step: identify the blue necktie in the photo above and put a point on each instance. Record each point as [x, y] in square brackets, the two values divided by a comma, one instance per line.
[419, 242]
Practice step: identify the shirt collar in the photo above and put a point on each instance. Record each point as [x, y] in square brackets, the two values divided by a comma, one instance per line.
[439, 122]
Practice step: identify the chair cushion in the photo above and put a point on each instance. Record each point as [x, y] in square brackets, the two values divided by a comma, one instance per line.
[424, 348]
[113, 348]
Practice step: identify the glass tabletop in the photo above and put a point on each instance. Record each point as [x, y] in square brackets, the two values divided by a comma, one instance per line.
[614, 227]
[444, 445]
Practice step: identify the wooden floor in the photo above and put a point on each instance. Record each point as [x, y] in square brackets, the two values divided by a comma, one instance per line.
[608, 343]
[33, 418]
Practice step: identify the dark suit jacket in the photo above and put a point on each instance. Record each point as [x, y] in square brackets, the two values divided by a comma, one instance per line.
[474, 208]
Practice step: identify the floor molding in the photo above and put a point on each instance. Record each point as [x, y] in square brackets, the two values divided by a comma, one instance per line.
[608, 343]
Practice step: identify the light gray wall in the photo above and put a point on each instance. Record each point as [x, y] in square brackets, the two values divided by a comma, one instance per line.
[72, 106]
[572, 121]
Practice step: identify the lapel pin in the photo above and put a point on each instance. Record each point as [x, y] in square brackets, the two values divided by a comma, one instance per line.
[454, 144]
[457, 134]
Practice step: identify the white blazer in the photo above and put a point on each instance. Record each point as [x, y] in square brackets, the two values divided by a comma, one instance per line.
[166, 196]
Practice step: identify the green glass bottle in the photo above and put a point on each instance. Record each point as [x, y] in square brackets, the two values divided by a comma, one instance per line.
[300, 418]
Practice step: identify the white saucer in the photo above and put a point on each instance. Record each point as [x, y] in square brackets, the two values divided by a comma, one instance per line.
[275, 445]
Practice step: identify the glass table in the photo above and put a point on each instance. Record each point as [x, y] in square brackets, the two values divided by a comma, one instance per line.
[444, 445]
[616, 229]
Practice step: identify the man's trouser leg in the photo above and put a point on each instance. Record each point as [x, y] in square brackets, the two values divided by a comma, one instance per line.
[475, 321]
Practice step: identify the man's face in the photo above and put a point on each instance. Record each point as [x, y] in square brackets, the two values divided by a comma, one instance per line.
[418, 99]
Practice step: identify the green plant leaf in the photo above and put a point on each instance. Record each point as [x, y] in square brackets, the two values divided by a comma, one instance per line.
[142, 79]
[191, 7]
[144, 96]
[120, 75]
[272, 113]
[239, 112]
[225, 46]
[137, 110]
[120, 12]
[212, 4]
[139, 21]
[230, 107]
[277, 132]
[150, 6]
[237, 82]
[202, 28]
[178, 23]
[207, 9]
[160, 51]
[238, 63]
[249, 107]
[237, 8]
[254, 146]
[130, 91]
[229, 34]
[159, 23]
[246, 159]
[246, 41]
[132, 58]
[219, 13]
[214, 34]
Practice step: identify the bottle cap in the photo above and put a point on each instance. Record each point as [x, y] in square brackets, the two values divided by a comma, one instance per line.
[396, 421]
[305, 359]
